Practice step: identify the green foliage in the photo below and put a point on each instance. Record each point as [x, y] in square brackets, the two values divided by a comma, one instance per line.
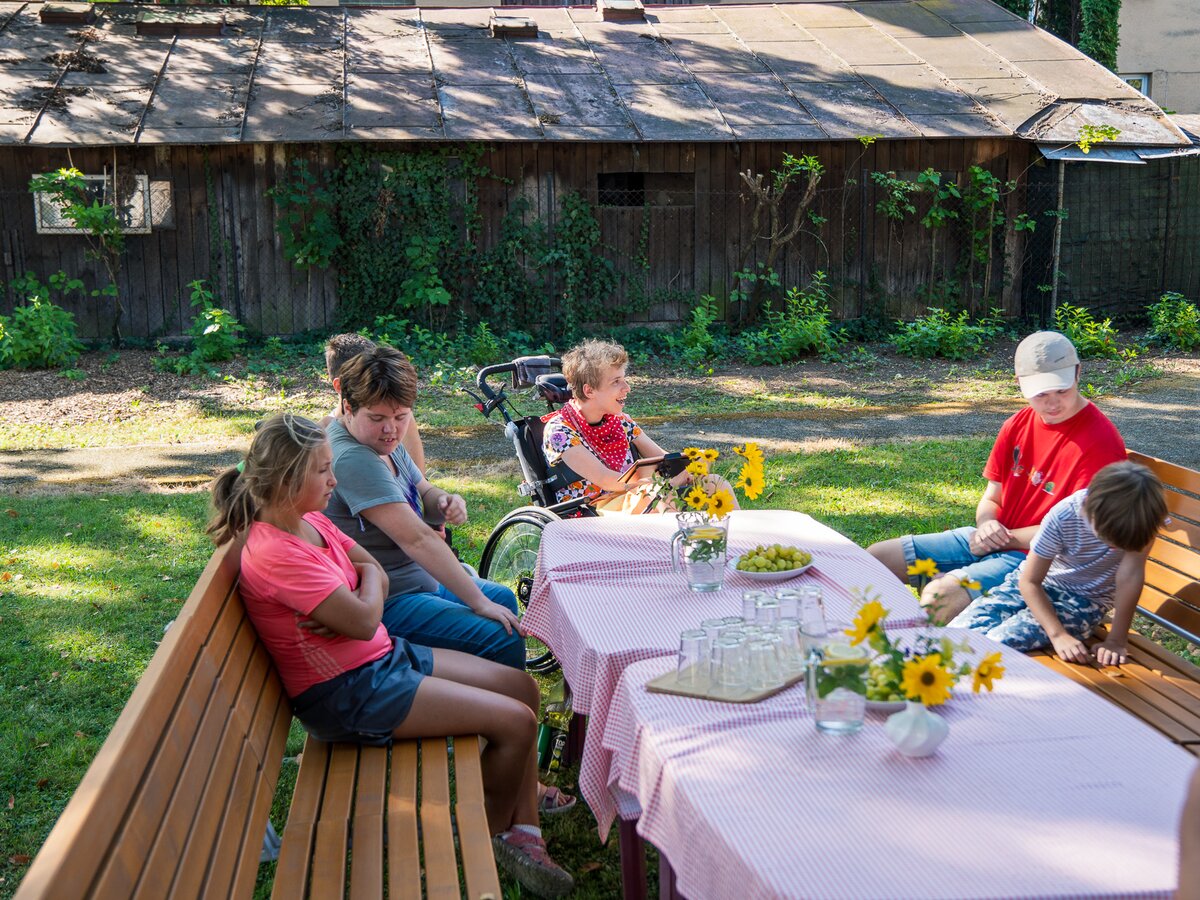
[1092, 339]
[800, 328]
[1020, 7]
[508, 285]
[695, 344]
[1175, 321]
[429, 349]
[1095, 134]
[896, 202]
[757, 282]
[39, 334]
[1099, 35]
[950, 337]
[306, 217]
[939, 213]
[215, 331]
[584, 278]
[95, 215]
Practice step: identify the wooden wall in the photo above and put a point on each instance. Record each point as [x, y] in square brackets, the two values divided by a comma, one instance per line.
[224, 229]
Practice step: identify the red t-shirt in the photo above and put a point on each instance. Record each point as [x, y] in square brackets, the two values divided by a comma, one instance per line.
[283, 580]
[1038, 464]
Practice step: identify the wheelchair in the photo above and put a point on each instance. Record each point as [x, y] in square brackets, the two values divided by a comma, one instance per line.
[510, 554]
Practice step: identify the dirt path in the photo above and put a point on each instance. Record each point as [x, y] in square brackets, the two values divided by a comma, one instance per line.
[1159, 418]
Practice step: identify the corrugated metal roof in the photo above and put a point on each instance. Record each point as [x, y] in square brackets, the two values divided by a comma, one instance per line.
[798, 71]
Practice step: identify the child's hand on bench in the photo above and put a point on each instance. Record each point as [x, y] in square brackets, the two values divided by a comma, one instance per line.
[1111, 653]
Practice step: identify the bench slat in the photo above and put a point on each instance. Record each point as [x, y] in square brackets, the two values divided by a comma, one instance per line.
[366, 867]
[67, 864]
[403, 850]
[291, 872]
[333, 825]
[437, 835]
[1179, 476]
[1184, 514]
[1152, 654]
[1122, 695]
[200, 792]
[1176, 557]
[1168, 607]
[474, 839]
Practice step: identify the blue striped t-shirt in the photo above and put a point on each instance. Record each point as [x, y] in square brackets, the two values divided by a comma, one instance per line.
[1083, 564]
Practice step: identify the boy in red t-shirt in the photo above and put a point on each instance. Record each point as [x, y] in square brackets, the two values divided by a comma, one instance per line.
[1046, 452]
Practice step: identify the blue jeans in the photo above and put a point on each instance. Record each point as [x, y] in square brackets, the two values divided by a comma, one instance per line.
[442, 620]
[951, 552]
[1004, 617]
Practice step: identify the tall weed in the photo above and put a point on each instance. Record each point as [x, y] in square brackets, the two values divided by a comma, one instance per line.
[801, 327]
[950, 337]
[1175, 322]
[1092, 339]
[40, 334]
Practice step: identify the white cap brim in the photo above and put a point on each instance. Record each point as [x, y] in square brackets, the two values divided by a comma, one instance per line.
[1058, 380]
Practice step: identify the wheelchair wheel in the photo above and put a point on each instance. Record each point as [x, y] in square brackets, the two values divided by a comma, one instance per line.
[510, 557]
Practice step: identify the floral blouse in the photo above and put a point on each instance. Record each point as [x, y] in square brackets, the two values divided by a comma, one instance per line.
[559, 437]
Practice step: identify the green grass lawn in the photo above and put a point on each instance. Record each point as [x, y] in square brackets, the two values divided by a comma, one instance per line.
[88, 583]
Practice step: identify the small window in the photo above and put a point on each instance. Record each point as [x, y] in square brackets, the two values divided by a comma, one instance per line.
[132, 207]
[1140, 83]
[640, 188]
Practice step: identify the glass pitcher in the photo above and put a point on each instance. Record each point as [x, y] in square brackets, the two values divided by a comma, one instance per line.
[698, 548]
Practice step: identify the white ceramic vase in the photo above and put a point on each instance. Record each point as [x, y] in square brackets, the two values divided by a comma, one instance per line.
[915, 730]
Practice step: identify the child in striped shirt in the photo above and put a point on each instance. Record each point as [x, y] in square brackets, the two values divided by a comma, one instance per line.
[1088, 557]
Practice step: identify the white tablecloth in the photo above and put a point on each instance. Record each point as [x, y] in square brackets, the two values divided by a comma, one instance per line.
[1042, 789]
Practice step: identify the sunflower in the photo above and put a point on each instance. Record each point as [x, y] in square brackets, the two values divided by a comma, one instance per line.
[750, 482]
[926, 680]
[693, 453]
[969, 584]
[720, 503]
[710, 456]
[926, 567]
[696, 498]
[697, 468]
[751, 452]
[867, 620]
[988, 670]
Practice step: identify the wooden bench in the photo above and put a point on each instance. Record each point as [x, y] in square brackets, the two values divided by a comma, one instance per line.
[176, 802]
[1156, 685]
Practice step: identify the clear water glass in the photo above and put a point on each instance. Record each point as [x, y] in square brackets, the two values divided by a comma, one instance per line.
[750, 604]
[789, 603]
[712, 627]
[763, 660]
[692, 669]
[729, 663]
[791, 647]
[766, 611]
[812, 607]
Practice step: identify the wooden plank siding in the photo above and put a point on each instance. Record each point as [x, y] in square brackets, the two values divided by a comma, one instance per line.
[696, 235]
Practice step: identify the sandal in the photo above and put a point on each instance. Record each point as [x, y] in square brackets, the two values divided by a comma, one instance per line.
[525, 858]
[552, 801]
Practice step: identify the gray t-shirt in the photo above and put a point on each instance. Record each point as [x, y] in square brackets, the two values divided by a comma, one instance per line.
[365, 480]
[1083, 564]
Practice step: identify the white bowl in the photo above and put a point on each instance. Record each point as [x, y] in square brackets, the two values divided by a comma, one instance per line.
[887, 706]
[766, 576]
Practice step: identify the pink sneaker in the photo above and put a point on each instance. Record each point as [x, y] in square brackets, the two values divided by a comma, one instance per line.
[526, 859]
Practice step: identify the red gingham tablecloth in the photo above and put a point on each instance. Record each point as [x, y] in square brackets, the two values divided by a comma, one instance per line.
[1042, 789]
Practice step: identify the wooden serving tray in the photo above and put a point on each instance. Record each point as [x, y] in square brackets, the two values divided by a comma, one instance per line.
[668, 683]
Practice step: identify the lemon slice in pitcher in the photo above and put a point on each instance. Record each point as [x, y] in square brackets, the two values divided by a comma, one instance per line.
[844, 655]
[706, 533]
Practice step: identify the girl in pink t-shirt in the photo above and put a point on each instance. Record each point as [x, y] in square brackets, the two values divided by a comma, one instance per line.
[316, 598]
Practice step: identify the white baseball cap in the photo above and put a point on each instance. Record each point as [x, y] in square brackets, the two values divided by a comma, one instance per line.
[1045, 361]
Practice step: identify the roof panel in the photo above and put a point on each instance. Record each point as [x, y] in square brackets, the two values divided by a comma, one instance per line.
[803, 61]
[374, 23]
[679, 14]
[863, 46]
[959, 57]
[293, 112]
[408, 55]
[968, 11]
[598, 133]
[1079, 79]
[969, 125]
[554, 55]
[673, 112]
[753, 100]
[392, 101]
[845, 110]
[94, 118]
[489, 112]
[917, 89]
[823, 15]
[290, 63]
[1012, 100]
[1017, 40]
[904, 19]
[575, 101]
[473, 62]
[648, 63]
[714, 53]
[615, 32]
[181, 102]
[215, 56]
[224, 134]
[768, 24]
[303, 26]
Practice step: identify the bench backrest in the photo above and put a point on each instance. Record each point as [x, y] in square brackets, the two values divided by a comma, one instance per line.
[176, 802]
[1171, 596]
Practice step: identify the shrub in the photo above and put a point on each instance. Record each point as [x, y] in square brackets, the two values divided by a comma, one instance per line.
[216, 332]
[1175, 321]
[801, 327]
[1092, 339]
[39, 335]
[940, 334]
[696, 344]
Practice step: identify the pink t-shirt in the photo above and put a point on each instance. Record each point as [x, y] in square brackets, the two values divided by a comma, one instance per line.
[283, 580]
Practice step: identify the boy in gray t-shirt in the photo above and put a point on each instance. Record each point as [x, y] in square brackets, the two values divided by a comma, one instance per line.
[1088, 557]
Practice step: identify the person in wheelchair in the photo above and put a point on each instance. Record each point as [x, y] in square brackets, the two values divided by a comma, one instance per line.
[593, 439]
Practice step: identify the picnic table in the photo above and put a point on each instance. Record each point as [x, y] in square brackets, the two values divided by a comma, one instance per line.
[1042, 789]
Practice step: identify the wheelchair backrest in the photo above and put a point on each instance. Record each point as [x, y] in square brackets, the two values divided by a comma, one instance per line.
[526, 435]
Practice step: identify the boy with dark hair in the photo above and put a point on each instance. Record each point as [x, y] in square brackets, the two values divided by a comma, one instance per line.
[1088, 557]
[339, 350]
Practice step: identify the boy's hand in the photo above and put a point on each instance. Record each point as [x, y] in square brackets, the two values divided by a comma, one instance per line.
[453, 508]
[990, 537]
[1070, 649]
[1111, 653]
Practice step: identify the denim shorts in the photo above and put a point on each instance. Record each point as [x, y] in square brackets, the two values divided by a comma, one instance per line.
[951, 551]
[365, 705]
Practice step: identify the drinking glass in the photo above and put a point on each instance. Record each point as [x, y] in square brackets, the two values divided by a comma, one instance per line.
[750, 604]
[812, 607]
[763, 658]
[789, 603]
[836, 679]
[791, 647]
[766, 611]
[729, 662]
[712, 627]
[692, 670]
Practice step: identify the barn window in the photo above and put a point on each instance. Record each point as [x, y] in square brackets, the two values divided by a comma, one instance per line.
[130, 200]
[640, 188]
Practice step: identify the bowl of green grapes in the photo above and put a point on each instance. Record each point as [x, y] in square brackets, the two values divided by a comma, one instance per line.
[775, 562]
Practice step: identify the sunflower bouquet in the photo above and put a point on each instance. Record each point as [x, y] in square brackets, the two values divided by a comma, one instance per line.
[926, 672]
[709, 491]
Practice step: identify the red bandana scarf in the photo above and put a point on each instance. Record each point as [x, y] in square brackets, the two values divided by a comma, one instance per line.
[607, 440]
